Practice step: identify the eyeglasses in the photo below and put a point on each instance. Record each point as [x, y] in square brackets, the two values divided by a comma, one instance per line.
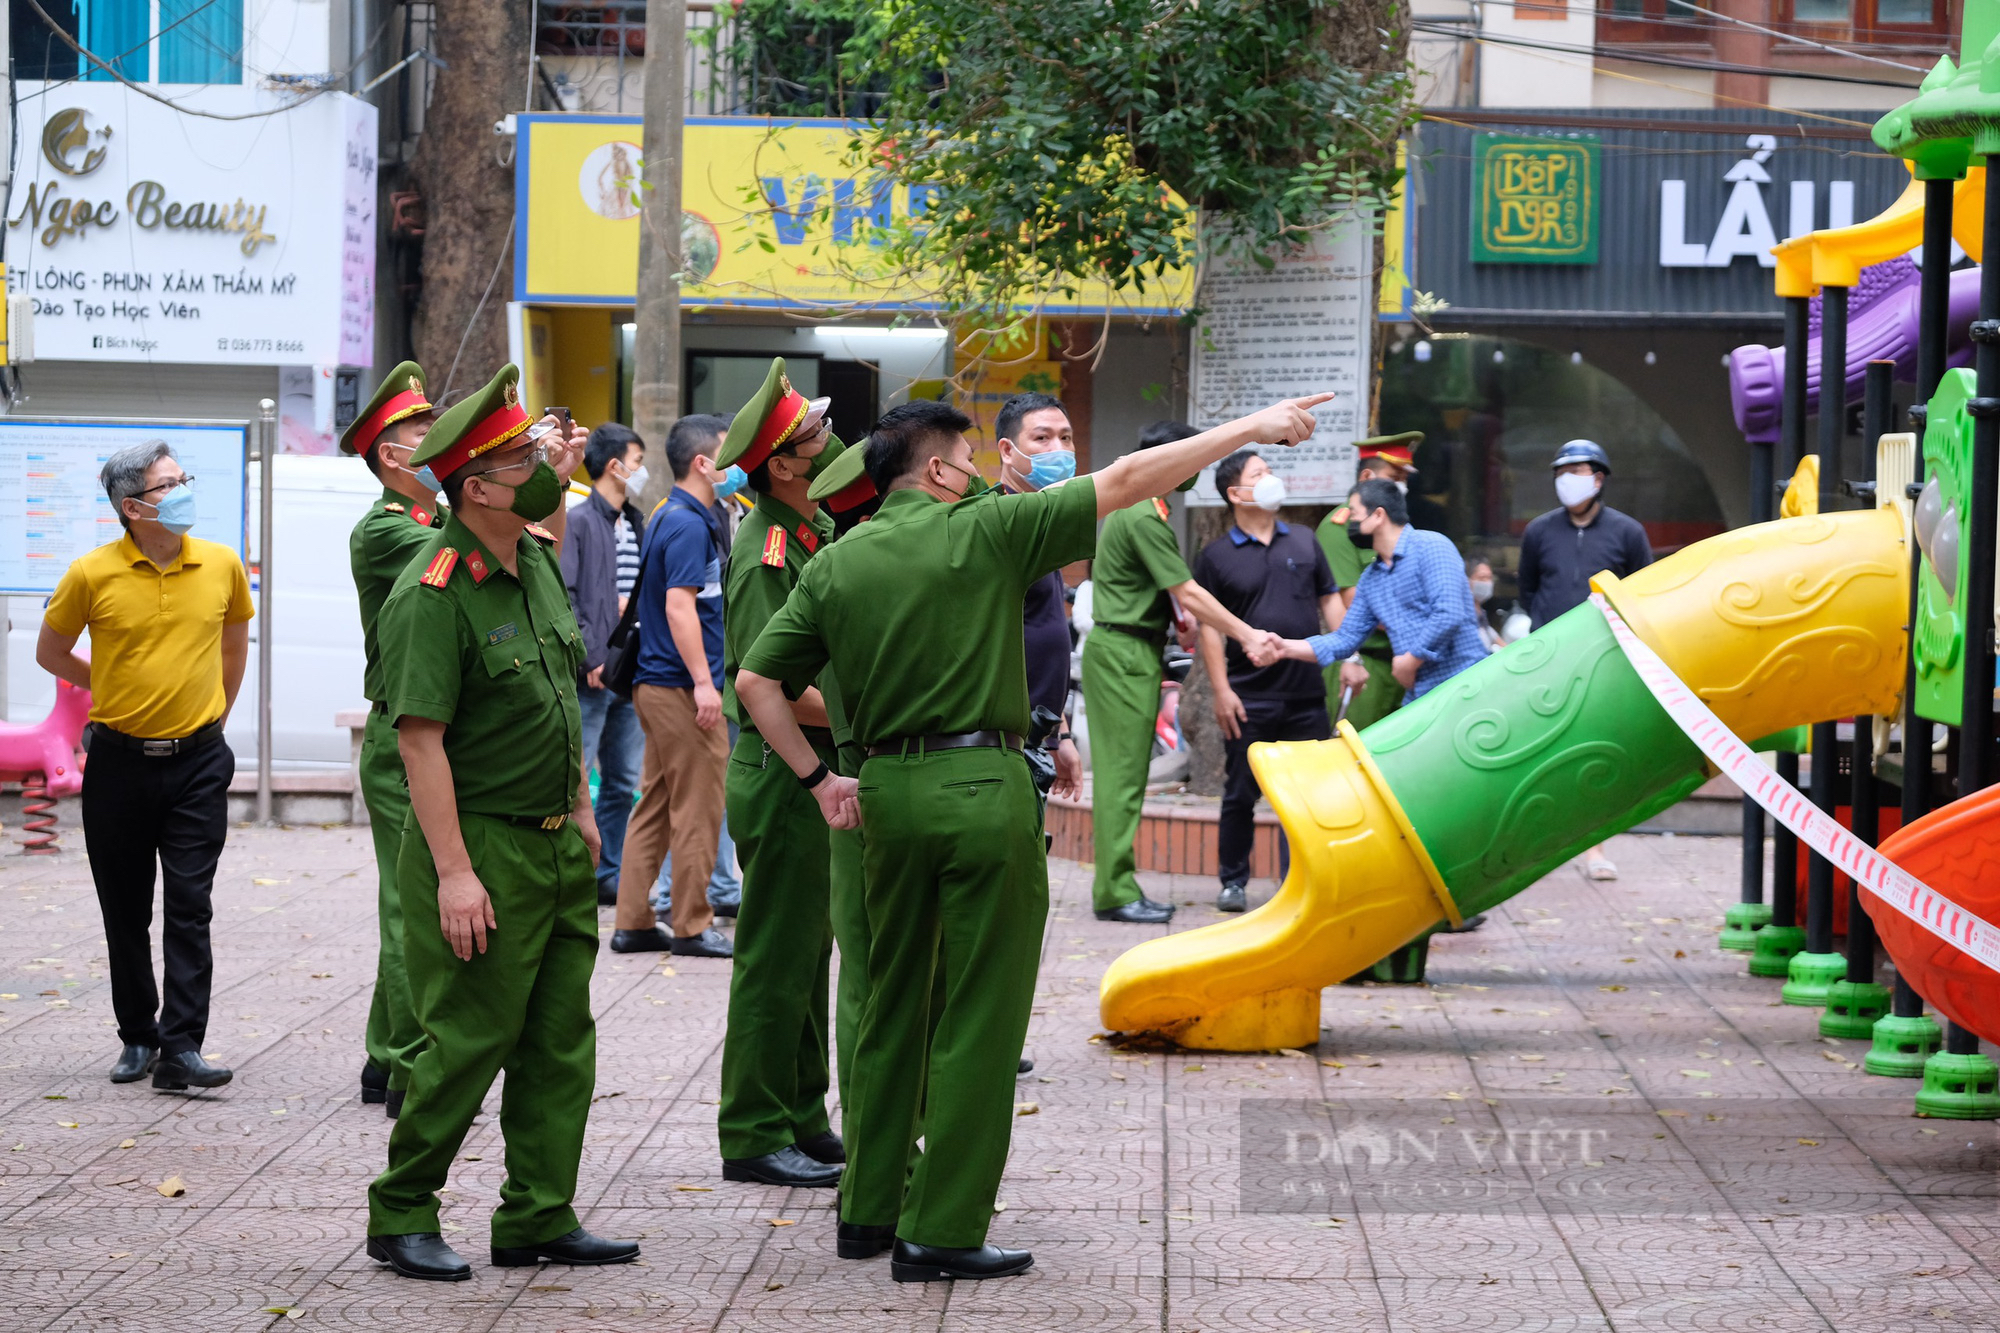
[185, 479]
[533, 458]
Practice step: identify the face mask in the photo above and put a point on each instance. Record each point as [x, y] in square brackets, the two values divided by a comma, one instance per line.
[1482, 592]
[635, 480]
[175, 511]
[1269, 492]
[428, 479]
[1573, 490]
[824, 459]
[974, 483]
[732, 480]
[537, 497]
[1358, 537]
[1045, 470]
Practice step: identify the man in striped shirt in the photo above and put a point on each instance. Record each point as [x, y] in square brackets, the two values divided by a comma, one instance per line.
[600, 561]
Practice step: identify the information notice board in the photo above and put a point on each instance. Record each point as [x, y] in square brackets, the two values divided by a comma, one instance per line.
[1296, 328]
[53, 509]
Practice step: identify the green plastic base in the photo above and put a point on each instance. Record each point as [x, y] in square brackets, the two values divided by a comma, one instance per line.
[1902, 1045]
[1853, 1008]
[1405, 967]
[1772, 955]
[1741, 925]
[1960, 1087]
[1809, 976]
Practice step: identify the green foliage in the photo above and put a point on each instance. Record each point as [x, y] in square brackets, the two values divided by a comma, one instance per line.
[790, 53]
[1068, 145]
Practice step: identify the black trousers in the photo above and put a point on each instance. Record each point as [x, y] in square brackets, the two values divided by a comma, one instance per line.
[173, 810]
[1265, 719]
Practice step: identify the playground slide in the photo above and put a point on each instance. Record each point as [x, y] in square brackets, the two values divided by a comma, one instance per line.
[1955, 850]
[1468, 796]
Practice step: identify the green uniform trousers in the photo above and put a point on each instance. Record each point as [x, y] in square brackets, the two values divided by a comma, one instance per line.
[774, 1061]
[523, 1006]
[848, 909]
[957, 884]
[1381, 696]
[393, 1037]
[1121, 691]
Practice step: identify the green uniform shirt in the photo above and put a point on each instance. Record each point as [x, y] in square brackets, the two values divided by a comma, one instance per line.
[381, 546]
[918, 610]
[1347, 560]
[771, 548]
[1138, 559]
[495, 659]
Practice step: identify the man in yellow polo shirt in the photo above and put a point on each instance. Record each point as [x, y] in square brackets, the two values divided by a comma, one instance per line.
[168, 616]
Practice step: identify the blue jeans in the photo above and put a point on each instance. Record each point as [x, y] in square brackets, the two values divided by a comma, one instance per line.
[612, 741]
[725, 883]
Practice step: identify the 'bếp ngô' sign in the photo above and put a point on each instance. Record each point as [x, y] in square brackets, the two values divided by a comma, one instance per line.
[1534, 201]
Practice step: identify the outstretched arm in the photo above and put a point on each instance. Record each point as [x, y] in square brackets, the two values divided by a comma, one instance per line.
[1155, 471]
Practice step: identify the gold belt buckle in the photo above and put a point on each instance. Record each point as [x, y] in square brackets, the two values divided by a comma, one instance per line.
[554, 822]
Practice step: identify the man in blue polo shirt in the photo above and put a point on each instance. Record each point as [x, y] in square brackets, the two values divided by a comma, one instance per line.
[1271, 576]
[679, 701]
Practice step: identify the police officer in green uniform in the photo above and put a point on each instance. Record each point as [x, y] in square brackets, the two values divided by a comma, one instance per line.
[918, 613]
[480, 654]
[384, 434]
[1371, 687]
[1138, 582]
[771, 1121]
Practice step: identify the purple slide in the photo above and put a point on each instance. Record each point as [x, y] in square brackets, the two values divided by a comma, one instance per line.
[1881, 326]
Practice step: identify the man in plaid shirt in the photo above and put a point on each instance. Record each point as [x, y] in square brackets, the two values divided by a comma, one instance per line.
[1416, 590]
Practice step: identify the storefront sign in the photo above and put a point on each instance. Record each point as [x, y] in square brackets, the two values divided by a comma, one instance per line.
[146, 234]
[772, 217]
[1744, 229]
[1299, 327]
[1534, 201]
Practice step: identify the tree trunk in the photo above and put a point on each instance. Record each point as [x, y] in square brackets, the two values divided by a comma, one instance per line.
[656, 339]
[466, 174]
[1204, 737]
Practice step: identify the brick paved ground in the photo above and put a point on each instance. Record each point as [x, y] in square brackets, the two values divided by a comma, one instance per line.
[1747, 1176]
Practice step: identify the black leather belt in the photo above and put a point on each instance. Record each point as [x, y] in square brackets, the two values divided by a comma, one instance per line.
[156, 747]
[548, 823]
[962, 740]
[1155, 638]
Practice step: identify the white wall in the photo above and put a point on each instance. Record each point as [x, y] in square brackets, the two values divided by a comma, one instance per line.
[288, 37]
[1516, 76]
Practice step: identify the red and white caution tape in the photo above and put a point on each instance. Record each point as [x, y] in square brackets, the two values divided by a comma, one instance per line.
[1789, 806]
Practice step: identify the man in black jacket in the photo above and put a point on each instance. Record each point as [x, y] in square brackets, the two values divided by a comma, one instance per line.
[1562, 549]
[600, 559]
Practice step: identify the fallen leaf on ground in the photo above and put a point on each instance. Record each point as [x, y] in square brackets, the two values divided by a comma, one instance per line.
[696, 1189]
[129, 1143]
[1611, 988]
[172, 1187]
[270, 881]
[67, 1124]
[1027, 1108]
[548, 1286]
[1806, 1143]
[782, 1221]
[774, 1286]
[1698, 1073]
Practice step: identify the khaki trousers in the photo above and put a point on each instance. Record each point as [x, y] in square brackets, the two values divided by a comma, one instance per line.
[680, 809]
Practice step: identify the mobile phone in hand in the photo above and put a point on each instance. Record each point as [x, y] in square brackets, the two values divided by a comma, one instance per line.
[561, 414]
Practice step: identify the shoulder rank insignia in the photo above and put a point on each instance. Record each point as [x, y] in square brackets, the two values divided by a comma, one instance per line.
[476, 563]
[393, 507]
[541, 534]
[808, 538]
[438, 572]
[1160, 508]
[774, 548]
[421, 515]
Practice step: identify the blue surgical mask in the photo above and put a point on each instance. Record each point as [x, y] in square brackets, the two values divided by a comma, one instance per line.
[175, 511]
[1045, 470]
[733, 480]
[428, 479]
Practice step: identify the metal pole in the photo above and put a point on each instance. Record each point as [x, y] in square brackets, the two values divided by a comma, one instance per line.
[1976, 721]
[267, 446]
[1933, 310]
[1878, 418]
[1763, 500]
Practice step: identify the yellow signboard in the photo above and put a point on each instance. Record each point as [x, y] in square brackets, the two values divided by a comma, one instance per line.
[807, 245]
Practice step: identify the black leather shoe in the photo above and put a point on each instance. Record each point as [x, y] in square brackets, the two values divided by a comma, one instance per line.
[394, 1101]
[607, 895]
[650, 940]
[578, 1248]
[423, 1255]
[1471, 923]
[826, 1148]
[858, 1240]
[787, 1166]
[134, 1063]
[725, 907]
[1233, 898]
[711, 943]
[1142, 911]
[1027, 1067]
[188, 1069]
[374, 1083]
[936, 1263]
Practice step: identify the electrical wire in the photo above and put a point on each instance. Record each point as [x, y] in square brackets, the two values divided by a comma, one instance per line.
[1800, 41]
[1645, 58]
